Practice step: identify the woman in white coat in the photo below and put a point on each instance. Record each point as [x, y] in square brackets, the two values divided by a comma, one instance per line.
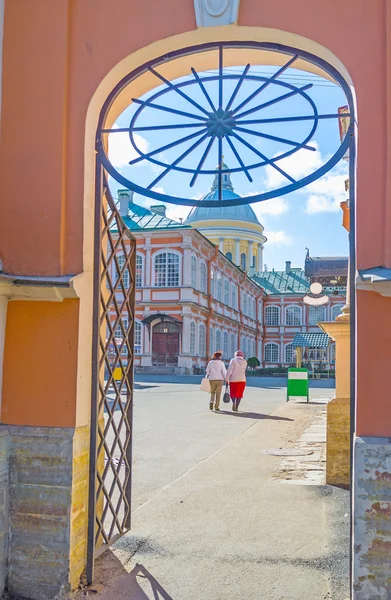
[236, 376]
[216, 373]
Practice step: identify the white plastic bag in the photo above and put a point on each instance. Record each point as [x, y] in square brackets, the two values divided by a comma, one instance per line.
[205, 385]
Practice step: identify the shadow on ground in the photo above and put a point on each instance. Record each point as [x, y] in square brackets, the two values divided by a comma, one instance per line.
[251, 415]
[112, 580]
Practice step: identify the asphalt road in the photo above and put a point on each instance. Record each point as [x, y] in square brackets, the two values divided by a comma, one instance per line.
[209, 520]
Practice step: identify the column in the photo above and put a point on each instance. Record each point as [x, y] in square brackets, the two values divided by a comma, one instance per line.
[249, 255]
[221, 244]
[260, 258]
[186, 268]
[148, 265]
[237, 252]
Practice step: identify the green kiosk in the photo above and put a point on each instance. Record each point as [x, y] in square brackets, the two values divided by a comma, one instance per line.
[311, 347]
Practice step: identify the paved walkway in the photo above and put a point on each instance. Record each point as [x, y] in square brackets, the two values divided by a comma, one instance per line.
[212, 519]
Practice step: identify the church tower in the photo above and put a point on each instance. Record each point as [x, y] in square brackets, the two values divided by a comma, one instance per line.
[235, 229]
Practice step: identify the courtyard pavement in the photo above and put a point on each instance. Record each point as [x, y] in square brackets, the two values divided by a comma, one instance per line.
[213, 517]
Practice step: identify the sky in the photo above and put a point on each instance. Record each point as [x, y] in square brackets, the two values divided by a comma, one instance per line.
[308, 218]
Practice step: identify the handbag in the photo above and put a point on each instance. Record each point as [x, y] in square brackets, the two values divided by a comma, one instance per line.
[226, 397]
[205, 385]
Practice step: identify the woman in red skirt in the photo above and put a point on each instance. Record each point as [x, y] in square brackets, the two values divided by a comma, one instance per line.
[236, 376]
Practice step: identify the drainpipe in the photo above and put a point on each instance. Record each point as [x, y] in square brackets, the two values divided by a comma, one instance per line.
[210, 308]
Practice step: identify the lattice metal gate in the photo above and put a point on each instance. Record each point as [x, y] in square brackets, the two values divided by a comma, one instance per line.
[112, 376]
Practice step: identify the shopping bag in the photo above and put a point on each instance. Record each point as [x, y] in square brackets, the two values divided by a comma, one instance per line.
[226, 397]
[205, 385]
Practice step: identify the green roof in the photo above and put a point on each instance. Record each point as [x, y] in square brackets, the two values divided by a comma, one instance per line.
[140, 217]
[282, 282]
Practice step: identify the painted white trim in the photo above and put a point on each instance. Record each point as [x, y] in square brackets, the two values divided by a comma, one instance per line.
[153, 258]
[214, 13]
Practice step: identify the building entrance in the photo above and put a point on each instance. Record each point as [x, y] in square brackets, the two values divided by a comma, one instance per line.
[165, 344]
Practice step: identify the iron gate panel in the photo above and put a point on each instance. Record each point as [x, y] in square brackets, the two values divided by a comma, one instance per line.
[112, 376]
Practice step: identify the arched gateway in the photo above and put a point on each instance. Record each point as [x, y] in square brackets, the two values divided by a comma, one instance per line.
[83, 60]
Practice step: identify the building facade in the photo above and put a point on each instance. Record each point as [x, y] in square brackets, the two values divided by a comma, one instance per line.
[193, 295]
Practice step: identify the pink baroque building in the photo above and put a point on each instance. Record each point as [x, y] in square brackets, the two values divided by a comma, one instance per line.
[192, 299]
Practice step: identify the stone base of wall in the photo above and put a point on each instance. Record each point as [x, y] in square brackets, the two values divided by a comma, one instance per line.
[372, 518]
[44, 482]
[338, 443]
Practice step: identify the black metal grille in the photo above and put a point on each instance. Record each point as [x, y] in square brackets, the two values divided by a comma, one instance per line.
[112, 376]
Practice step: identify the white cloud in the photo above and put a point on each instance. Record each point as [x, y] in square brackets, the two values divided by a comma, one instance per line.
[274, 207]
[121, 150]
[297, 165]
[278, 238]
[324, 194]
[177, 212]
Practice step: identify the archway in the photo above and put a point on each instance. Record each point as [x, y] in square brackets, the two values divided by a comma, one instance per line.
[165, 335]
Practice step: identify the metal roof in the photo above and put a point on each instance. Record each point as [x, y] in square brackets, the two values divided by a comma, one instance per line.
[283, 282]
[316, 266]
[311, 340]
[140, 217]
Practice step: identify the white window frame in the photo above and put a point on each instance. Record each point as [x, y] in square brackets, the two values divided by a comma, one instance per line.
[274, 311]
[225, 344]
[218, 335]
[138, 327]
[160, 253]
[293, 361]
[333, 308]
[193, 338]
[291, 313]
[226, 292]
[203, 277]
[211, 340]
[219, 287]
[121, 259]
[273, 350]
[234, 296]
[313, 315]
[212, 283]
[139, 283]
[193, 271]
[232, 344]
[202, 340]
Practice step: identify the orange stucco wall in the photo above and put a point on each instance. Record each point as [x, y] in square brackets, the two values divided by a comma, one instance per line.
[55, 55]
[39, 380]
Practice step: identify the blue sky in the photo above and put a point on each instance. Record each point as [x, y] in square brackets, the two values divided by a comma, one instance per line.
[309, 218]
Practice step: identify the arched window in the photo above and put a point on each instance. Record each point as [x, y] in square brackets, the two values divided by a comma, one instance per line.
[166, 270]
[245, 307]
[290, 354]
[233, 344]
[194, 272]
[125, 275]
[201, 340]
[119, 333]
[293, 315]
[218, 339]
[212, 284]
[271, 353]
[254, 310]
[316, 314]
[234, 297]
[219, 287]
[244, 346]
[139, 271]
[336, 311]
[253, 263]
[203, 278]
[138, 342]
[229, 255]
[272, 315]
[226, 292]
[225, 345]
[243, 261]
[211, 341]
[192, 338]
